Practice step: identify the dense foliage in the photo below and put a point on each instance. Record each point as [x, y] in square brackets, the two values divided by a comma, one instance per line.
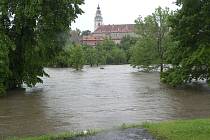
[191, 30]
[77, 57]
[110, 53]
[150, 50]
[92, 56]
[105, 53]
[31, 33]
[4, 62]
[62, 59]
[126, 44]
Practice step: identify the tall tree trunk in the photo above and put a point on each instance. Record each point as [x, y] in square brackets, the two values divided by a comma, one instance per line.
[161, 67]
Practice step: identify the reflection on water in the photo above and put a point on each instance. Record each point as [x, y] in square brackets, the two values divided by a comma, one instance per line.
[96, 98]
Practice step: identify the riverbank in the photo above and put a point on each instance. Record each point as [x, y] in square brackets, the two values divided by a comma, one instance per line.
[198, 129]
[125, 132]
[61, 136]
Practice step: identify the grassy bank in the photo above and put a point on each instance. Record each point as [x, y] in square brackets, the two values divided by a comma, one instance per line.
[61, 136]
[180, 130]
[198, 129]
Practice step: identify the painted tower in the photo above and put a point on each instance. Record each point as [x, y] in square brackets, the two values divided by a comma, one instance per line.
[98, 18]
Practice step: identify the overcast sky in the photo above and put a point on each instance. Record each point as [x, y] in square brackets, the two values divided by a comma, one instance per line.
[118, 11]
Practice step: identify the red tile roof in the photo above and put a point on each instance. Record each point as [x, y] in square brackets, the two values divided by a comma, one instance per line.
[122, 28]
[92, 38]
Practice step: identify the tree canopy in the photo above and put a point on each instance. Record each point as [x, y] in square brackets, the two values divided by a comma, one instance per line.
[190, 59]
[77, 60]
[31, 33]
[153, 30]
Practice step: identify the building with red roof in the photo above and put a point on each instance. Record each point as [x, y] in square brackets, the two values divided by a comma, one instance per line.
[113, 32]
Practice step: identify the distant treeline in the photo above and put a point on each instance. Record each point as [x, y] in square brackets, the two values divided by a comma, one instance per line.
[105, 53]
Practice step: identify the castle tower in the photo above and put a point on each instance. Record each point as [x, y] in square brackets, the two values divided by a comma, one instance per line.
[98, 18]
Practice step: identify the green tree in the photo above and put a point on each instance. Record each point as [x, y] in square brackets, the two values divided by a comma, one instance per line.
[77, 57]
[37, 29]
[110, 53]
[4, 62]
[153, 34]
[62, 60]
[91, 56]
[126, 44]
[106, 45]
[116, 56]
[101, 56]
[190, 59]
[144, 55]
[103, 50]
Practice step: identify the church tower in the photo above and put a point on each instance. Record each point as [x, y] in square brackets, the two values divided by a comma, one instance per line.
[98, 18]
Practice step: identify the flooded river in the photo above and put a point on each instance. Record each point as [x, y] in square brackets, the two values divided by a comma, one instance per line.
[98, 98]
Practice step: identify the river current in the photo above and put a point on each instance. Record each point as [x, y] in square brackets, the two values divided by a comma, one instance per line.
[98, 98]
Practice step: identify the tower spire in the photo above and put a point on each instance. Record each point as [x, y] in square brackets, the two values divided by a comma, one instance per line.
[98, 18]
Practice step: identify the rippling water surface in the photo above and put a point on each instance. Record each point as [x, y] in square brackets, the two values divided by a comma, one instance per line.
[96, 98]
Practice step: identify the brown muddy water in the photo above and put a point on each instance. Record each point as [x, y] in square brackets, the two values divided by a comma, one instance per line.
[98, 98]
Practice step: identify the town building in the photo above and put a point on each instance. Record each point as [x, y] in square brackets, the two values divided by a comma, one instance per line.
[113, 32]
